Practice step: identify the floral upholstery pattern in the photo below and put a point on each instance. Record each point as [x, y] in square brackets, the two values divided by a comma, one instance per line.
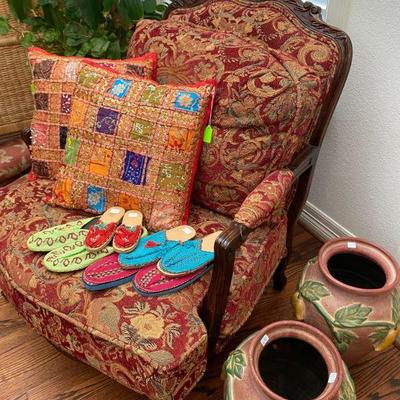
[156, 346]
[273, 24]
[265, 104]
[14, 159]
[268, 201]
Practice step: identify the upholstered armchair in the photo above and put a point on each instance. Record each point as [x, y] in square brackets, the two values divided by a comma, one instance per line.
[251, 183]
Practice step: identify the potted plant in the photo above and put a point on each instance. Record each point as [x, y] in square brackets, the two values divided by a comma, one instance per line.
[90, 28]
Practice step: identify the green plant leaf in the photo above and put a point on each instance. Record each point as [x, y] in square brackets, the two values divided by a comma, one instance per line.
[107, 4]
[90, 11]
[347, 389]
[352, 316]
[313, 291]
[379, 335]
[114, 50]
[51, 35]
[20, 8]
[396, 307]
[76, 34]
[235, 364]
[131, 10]
[28, 39]
[4, 26]
[149, 6]
[343, 339]
[98, 47]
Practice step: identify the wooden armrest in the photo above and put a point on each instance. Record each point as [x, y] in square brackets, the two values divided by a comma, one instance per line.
[304, 160]
[217, 296]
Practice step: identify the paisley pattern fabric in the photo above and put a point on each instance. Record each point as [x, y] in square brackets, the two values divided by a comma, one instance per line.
[14, 159]
[268, 201]
[156, 346]
[265, 106]
[54, 80]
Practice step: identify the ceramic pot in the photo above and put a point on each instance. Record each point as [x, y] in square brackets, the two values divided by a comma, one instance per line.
[350, 293]
[287, 360]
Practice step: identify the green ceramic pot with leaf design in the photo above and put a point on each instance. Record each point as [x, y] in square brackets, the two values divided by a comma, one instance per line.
[350, 292]
[287, 360]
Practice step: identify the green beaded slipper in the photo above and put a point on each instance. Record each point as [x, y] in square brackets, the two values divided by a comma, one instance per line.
[52, 238]
[73, 257]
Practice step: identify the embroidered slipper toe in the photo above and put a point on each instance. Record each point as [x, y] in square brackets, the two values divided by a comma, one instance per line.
[149, 281]
[105, 274]
[59, 235]
[73, 257]
[101, 233]
[151, 248]
[189, 257]
[128, 233]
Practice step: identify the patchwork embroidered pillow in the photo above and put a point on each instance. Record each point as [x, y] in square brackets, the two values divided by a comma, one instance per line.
[133, 143]
[264, 108]
[54, 79]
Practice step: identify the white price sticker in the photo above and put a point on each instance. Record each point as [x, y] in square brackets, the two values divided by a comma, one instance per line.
[332, 377]
[264, 340]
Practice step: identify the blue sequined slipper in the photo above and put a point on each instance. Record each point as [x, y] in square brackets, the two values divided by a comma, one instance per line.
[188, 257]
[153, 247]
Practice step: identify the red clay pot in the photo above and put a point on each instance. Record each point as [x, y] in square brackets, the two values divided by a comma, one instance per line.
[287, 360]
[350, 293]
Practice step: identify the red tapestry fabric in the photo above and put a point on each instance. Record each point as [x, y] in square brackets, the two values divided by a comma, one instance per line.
[273, 24]
[155, 346]
[265, 105]
[14, 159]
[268, 201]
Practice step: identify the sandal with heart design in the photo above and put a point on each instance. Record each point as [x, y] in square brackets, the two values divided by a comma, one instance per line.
[128, 233]
[153, 247]
[102, 233]
[150, 282]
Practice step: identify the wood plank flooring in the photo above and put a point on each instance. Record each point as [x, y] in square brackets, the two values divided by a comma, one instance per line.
[32, 369]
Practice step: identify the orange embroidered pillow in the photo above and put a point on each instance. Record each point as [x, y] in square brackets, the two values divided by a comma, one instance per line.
[54, 79]
[134, 143]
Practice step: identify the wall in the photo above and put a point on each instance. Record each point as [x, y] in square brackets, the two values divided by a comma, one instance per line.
[356, 187]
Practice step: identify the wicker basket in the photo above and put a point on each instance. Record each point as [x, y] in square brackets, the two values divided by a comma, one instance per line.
[15, 76]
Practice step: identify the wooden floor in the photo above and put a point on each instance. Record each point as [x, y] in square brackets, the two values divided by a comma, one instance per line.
[31, 369]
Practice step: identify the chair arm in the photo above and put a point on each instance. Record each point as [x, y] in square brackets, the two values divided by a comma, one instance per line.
[266, 200]
[304, 160]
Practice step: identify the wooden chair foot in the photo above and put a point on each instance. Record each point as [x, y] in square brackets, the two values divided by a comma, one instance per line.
[279, 278]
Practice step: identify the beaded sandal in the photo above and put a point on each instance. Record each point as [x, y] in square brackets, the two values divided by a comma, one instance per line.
[73, 257]
[150, 282]
[101, 233]
[189, 257]
[128, 233]
[153, 247]
[60, 235]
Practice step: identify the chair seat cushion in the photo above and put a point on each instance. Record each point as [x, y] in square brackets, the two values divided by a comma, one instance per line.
[155, 346]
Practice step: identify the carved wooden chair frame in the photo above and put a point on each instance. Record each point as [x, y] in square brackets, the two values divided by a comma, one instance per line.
[302, 166]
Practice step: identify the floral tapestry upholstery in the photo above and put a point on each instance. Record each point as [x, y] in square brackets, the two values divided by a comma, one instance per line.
[273, 24]
[155, 346]
[14, 159]
[265, 103]
[268, 202]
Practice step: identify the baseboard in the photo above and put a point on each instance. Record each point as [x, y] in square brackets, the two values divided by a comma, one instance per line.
[320, 224]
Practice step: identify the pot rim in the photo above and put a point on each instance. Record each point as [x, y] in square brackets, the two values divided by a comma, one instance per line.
[308, 334]
[365, 248]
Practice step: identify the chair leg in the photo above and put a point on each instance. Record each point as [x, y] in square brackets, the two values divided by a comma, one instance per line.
[279, 278]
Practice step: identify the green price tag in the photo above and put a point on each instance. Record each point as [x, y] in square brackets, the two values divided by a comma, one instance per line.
[208, 133]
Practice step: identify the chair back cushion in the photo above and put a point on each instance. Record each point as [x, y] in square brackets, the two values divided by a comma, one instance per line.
[265, 104]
